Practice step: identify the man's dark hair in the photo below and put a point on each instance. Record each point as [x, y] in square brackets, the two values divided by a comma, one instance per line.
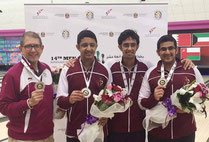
[166, 38]
[86, 33]
[30, 34]
[126, 34]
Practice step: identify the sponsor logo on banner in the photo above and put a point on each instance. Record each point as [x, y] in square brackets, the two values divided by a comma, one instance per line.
[152, 32]
[135, 15]
[135, 30]
[43, 34]
[39, 12]
[67, 15]
[110, 34]
[158, 15]
[40, 15]
[65, 34]
[108, 15]
[108, 12]
[90, 15]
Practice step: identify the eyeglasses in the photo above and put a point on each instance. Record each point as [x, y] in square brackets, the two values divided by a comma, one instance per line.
[30, 46]
[86, 45]
[129, 44]
[170, 48]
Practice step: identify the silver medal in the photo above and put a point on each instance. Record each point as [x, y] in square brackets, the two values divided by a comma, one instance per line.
[86, 92]
[162, 82]
[39, 85]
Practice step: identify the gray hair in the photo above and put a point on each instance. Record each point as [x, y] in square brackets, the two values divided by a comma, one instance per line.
[29, 34]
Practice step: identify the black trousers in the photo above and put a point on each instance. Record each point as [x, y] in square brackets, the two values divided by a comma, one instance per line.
[138, 136]
[189, 138]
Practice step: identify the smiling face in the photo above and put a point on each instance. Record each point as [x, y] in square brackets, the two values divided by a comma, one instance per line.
[129, 48]
[167, 52]
[87, 48]
[31, 49]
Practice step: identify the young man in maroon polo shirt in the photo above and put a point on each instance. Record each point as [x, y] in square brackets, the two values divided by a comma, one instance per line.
[169, 70]
[79, 82]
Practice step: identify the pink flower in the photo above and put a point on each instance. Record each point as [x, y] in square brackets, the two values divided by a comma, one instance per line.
[117, 96]
[109, 87]
[201, 95]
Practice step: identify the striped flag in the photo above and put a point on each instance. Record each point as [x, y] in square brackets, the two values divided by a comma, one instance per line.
[200, 39]
[190, 53]
[183, 39]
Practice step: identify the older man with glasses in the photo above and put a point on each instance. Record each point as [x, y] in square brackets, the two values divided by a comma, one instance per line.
[26, 96]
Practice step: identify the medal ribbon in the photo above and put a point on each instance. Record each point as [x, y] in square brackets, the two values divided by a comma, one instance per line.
[129, 85]
[84, 76]
[26, 65]
[169, 74]
[87, 81]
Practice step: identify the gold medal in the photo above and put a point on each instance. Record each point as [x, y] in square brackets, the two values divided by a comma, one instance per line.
[39, 85]
[86, 92]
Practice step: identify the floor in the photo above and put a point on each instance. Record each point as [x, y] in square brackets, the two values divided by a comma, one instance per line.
[202, 133]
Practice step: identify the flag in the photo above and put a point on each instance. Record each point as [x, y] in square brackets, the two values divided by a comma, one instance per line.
[183, 39]
[190, 53]
[200, 39]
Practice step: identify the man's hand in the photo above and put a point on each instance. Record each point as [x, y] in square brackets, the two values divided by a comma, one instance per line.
[36, 97]
[75, 96]
[59, 113]
[188, 64]
[180, 111]
[70, 63]
[159, 92]
[102, 121]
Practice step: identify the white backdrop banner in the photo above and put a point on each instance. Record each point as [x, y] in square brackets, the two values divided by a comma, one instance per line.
[59, 25]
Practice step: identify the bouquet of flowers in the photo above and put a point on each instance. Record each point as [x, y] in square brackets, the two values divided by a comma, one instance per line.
[190, 98]
[112, 99]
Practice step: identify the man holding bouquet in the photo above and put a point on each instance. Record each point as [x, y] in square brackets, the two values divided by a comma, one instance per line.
[127, 73]
[78, 83]
[159, 83]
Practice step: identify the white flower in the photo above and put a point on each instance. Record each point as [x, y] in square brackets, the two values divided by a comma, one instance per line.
[182, 91]
[109, 92]
[97, 97]
[124, 92]
[192, 86]
[196, 100]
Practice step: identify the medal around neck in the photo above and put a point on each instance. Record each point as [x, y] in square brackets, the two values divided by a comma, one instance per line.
[162, 82]
[39, 85]
[86, 92]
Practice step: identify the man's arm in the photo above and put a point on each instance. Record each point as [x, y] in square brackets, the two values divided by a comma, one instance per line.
[62, 91]
[64, 100]
[145, 99]
[10, 105]
[198, 76]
